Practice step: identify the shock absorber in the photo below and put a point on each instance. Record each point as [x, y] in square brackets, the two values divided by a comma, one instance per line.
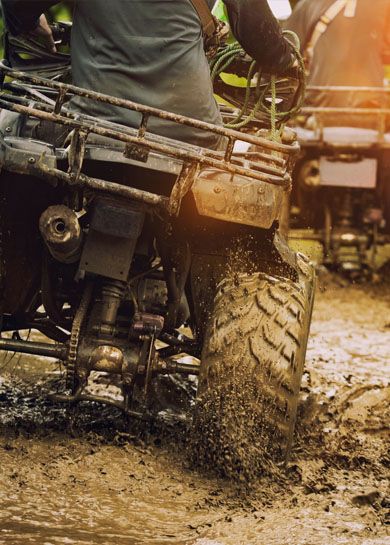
[345, 213]
[112, 295]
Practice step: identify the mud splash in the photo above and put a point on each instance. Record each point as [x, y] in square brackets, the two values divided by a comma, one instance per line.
[98, 482]
[242, 453]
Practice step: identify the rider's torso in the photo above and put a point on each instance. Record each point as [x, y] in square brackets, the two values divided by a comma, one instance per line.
[349, 51]
[149, 51]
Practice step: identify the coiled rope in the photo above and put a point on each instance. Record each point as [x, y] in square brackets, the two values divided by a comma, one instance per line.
[227, 55]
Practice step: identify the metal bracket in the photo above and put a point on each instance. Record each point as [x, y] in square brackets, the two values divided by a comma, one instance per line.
[137, 152]
[182, 186]
[76, 153]
[60, 100]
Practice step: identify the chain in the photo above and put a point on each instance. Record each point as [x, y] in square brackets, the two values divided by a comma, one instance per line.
[3, 204]
[75, 336]
[2, 267]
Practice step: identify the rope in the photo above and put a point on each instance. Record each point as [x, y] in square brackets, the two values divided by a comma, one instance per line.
[273, 112]
[227, 55]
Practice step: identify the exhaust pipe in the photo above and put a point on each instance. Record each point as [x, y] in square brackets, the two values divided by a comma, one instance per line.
[61, 231]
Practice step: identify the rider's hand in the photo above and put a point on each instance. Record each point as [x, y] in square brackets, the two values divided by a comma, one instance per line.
[293, 70]
[43, 31]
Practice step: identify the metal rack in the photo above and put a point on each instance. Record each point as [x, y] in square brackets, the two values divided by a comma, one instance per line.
[380, 115]
[267, 161]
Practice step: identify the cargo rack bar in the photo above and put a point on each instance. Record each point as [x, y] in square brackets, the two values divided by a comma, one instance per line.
[268, 162]
[381, 115]
[347, 88]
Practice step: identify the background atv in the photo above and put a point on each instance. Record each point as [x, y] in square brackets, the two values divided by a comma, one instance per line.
[341, 194]
[116, 238]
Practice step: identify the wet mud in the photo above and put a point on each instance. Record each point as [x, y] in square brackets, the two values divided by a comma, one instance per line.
[90, 478]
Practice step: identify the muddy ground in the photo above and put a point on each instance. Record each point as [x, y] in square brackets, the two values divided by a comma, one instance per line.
[99, 482]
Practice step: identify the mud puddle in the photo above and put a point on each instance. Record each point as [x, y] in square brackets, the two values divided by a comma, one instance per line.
[99, 482]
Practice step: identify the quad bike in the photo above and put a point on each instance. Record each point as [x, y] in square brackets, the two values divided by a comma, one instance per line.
[113, 241]
[341, 190]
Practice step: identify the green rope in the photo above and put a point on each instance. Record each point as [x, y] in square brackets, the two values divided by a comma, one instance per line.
[224, 59]
[273, 111]
[229, 53]
[239, 122]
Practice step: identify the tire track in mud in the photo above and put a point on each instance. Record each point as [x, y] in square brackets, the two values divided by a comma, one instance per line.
[101, 484]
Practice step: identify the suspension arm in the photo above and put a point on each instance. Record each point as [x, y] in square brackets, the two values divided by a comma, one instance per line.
[57, 351]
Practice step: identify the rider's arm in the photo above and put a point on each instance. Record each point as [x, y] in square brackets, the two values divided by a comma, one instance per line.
[24, 15]
[257, 30]
[302, 21]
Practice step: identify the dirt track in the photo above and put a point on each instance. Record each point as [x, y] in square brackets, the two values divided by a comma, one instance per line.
[96, 485]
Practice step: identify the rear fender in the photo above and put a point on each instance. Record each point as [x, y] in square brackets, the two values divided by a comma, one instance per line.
[237, 199]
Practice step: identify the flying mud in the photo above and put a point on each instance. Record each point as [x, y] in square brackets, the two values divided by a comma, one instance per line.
[87, 477]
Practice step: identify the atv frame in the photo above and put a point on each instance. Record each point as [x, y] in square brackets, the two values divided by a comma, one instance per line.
[252, 182]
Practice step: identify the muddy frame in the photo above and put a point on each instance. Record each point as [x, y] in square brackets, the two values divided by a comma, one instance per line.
[271, 164]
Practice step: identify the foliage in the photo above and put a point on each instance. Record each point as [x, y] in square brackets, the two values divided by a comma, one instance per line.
[62, 12]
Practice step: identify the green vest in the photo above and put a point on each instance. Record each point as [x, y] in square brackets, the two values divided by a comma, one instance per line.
[149, 51]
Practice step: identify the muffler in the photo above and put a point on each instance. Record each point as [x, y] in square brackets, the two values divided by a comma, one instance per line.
[61, 231]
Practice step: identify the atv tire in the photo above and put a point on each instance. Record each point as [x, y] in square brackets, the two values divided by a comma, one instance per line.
[251, 370]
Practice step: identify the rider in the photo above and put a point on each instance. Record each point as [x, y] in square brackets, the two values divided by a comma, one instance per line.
[151, 51]
[346, 49]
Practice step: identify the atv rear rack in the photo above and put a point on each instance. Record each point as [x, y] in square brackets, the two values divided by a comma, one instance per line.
[267, 161]
[380, 115]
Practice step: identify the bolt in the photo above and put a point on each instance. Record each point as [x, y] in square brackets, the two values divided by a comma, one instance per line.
[8, 129]
[260, 190]
[303, 257]
[217, 189]
[31, 160]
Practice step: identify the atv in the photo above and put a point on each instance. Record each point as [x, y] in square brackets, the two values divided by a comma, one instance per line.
[341, 191]
[138, 256]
